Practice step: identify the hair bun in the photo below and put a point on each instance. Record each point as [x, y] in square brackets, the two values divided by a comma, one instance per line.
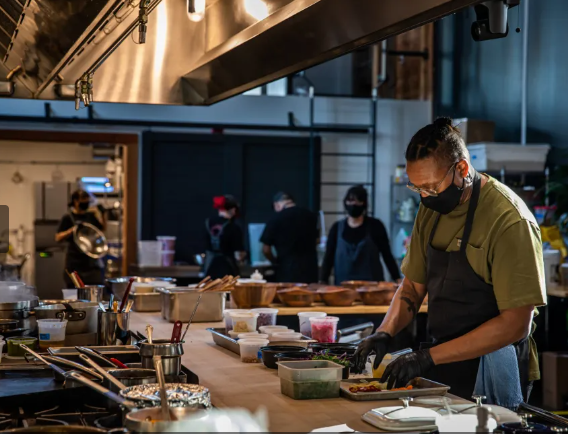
[443, 122]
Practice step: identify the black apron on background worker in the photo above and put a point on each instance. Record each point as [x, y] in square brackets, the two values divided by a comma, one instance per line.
[217, 263]
[460, 298]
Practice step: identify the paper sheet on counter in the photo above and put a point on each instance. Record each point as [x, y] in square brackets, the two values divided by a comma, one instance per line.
[337, 428]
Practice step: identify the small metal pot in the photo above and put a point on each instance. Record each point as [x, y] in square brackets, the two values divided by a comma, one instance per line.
[22, 312]
[81, 316]
[171, 355]
[131, 377]
[91, 293]
[150, 420]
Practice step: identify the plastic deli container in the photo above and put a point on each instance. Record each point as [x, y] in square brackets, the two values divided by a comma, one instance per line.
[168, 258]
[149, 253]
[1, 349]
[228, 319]
[310, 389]
[266, 316]
[69, 294]
[272, 329]
[378, 373]
[305, 325]
[250, 350]
[324, 329]
[168, 243]
[285, 337]
[244, 322]
[51, 333]
[14, 349]
[253, 335]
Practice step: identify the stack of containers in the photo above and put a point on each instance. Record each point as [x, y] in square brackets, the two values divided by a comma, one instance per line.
[168, 252]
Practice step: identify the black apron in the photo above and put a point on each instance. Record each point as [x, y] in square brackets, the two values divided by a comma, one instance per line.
[216, 264]
[361, 261]
[90, 270]
[459, 301]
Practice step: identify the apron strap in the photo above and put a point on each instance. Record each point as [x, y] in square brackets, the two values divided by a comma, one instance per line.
[471, 212]
[433, 231]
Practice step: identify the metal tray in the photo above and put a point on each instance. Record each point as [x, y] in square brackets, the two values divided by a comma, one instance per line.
[146, 302]
[221, 338]
[124, 353]
[422, 387]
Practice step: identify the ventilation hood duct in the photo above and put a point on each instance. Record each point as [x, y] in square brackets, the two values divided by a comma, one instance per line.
[239, 44]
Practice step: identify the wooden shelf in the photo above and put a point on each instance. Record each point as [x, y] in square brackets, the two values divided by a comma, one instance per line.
[356, 309]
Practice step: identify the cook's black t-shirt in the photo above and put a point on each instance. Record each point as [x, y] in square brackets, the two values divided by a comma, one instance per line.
[76, 260]
[231, 240]
[293, 232]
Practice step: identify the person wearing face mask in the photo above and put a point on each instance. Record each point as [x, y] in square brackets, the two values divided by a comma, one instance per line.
[88, 268]
[355, 244]
[476, 251]
[293, 232]
[224, 241]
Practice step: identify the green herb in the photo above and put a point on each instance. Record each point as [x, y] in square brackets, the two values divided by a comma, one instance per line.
[340, 360]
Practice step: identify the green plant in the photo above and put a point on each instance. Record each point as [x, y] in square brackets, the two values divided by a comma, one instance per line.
[324, 355]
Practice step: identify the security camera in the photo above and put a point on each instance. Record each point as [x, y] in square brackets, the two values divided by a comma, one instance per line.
[491, 20]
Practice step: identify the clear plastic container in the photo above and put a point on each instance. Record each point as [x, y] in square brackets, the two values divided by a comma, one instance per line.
[250, 350]
[284, 336]
[168, 258]
[272, 329]
[267, 316]
[51, 333]
[1, 349]
[305, 325]
[14, 349]
[228, 319]
[324, 329]
[69, 294]
[149, 253]
[310, 389]
[244, 322]
[378, 373]
[310, 370]
[253, 335]
[168, 242]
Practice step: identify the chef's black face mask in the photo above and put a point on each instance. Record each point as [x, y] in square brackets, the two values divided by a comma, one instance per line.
[355, 210]
[83, 206]
[447, 200]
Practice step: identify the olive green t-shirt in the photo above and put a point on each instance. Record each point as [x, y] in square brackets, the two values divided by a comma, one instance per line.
[504, 248]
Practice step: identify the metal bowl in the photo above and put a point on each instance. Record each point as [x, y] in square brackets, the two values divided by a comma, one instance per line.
[90, 240]
[248, 295]
[335, 296]
[118, 285]
[296, 297]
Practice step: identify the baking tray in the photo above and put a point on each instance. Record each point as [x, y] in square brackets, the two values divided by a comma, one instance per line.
[422, 387]
[221, 338]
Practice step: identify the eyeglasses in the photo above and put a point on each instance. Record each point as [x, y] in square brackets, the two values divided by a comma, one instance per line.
[428, 191]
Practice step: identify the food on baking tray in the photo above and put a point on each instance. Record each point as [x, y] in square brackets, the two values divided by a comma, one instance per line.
[374, 386]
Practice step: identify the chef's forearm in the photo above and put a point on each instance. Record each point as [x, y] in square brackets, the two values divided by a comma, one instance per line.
[509, 327]
[404, 307]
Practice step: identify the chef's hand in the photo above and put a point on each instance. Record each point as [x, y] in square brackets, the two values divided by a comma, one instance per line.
[376, 343]
[407, 367]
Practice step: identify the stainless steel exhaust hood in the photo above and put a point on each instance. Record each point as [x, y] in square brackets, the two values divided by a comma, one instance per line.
[239, 44]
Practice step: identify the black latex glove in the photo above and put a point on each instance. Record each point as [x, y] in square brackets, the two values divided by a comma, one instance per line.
[376, 343]
[407, 367]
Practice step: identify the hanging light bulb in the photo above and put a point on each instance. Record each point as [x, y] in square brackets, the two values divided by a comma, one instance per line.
[257, 9]
[196, 10]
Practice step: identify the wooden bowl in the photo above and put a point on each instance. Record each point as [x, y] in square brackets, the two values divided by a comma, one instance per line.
[356, 284]
[248, 295]
[337, 296]
[376, 296]
[285, 285]
[296, 297]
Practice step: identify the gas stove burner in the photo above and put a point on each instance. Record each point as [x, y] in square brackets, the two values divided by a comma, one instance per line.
[60, 415]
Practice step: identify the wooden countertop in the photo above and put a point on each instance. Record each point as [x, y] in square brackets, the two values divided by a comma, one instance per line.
[236, 384]
[356, 309]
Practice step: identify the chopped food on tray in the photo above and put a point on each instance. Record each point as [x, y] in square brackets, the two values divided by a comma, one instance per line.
[374, 386]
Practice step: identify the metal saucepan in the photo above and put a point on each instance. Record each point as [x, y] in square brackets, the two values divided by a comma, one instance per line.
[150, 419]
[171, 355]
[81, 316]
[58, 428]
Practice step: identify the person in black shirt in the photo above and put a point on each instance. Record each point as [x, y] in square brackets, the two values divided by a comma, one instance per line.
[293, 232]
[355, 244]
[223, 239]
[89, 269]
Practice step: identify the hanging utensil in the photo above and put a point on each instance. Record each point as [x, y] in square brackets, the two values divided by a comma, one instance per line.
[149, 331]
[126, 294]
[102, 372]
[128, 306]
[95, 354]
[41, 359]
[79, 280]
[176, 332]
[163, 393]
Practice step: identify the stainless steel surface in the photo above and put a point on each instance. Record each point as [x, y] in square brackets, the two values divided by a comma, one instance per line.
[236, 47]
[134, 376]
[146, 302]
[41, 359]
[82, 317]
[26, 302]
[179, 395]
[70, 364]
[112, 349]
[103, 373]
[113, 328]
[179, 302]
[118, 285]
[148, 419]
[57, 428]
[91, 293]
[170, 353]
[90, 240]
[422, 387]
[164, 407]
[102, 390]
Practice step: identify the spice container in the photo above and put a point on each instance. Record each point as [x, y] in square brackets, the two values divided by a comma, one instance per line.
[14, 349]
[51, 333]
[228, 319]
[266, 316]
[305, 325]
[250, 350]
[324, 329]
[244, 321]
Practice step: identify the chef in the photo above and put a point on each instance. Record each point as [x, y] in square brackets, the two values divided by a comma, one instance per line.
[476, 252]
[293, 232]
[89, 269]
